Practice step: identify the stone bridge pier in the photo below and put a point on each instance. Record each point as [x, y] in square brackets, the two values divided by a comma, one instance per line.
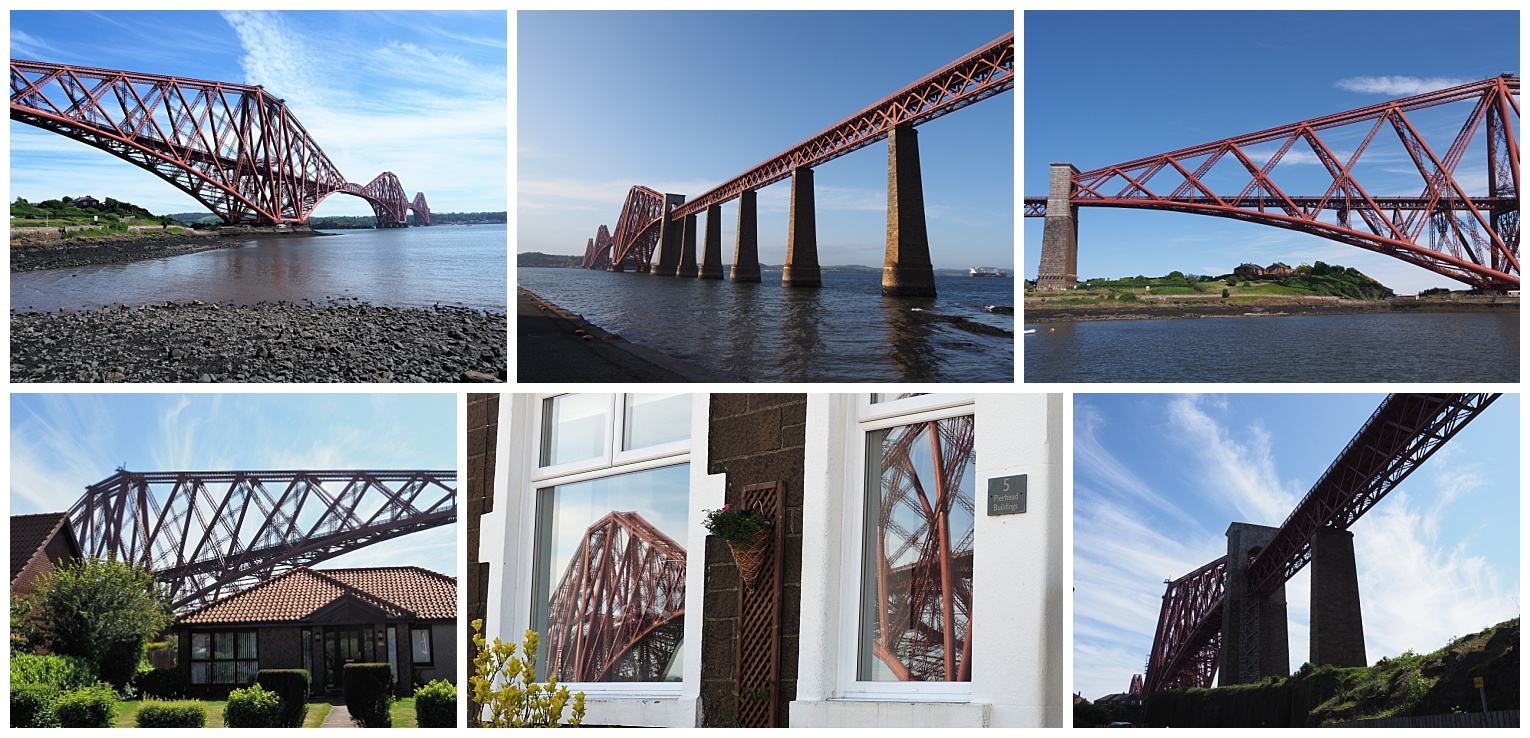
[1059, 233]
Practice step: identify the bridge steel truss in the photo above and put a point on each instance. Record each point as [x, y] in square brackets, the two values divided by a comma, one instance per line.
[209, 534]
[981, 74]
[637, 232]
[618, 613]
[1445, 228]
[235, 148]
[1399, 436]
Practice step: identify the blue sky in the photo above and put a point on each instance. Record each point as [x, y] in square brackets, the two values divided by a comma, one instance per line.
[1103, 88]
[683, 101]
[61, 443]
[1158, 478]
[422, 95]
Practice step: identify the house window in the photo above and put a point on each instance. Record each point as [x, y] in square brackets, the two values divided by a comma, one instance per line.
[608, 584]
[419, 645]
[224, 657]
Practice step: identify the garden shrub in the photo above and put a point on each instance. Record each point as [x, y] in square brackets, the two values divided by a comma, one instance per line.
[505, 691]
[32, 706]
[161, 684]
[291, 685]
[63, 673]
[253, 707]
[91, 707]
[186, 714]
[435, 705]
[369, 694]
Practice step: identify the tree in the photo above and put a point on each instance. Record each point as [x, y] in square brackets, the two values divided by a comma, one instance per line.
[103, 611]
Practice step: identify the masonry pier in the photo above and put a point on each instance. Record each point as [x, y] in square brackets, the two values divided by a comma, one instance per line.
[687, 265]
[907, 271]
[801, 269]
[669, 238]
[1254, 640]
[1059, 233]
[746, 250]
[711, 253]
[1337, 635]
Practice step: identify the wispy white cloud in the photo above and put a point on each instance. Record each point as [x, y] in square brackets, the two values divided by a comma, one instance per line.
[1397, 85]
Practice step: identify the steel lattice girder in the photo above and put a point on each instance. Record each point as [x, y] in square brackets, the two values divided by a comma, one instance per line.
[917, 636]
[421, 210]
[619, 608]
[1400, 436]
[1469, 238]
[637, 232]
[979, 75]
[235, 148]
[208, 534]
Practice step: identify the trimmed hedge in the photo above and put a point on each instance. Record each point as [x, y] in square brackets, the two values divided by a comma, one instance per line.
[253, 707]
[161, 684]
[291, 685]
[64, 673]
[91, 707]
[32, 706]
[188, 714]
[369, 694]
[435, 705]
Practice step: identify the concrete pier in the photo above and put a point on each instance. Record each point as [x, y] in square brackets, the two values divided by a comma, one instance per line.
[907, 271]
[746, 250]
[687, 265]
[801, 269]
[1337, 635]
[711, 253]
[669, 239]
[1059, 233]
[1254, 638]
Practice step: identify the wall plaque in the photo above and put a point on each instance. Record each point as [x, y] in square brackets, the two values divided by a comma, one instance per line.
[1006, 495]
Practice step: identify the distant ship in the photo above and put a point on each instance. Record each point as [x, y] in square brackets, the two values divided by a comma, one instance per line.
[985, 272]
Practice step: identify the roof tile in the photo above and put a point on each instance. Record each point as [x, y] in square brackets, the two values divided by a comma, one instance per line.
[404, 591]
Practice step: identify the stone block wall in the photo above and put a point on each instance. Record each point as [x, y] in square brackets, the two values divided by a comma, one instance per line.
[482, 439]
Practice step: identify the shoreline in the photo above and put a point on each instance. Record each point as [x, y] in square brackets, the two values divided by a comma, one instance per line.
[41, 251]
[266, 342]
[555, 345]
[1036, 311]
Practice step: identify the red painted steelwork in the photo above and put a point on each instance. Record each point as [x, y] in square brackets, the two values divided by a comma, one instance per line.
[637, 232]
[1470, 237]
[618, 614]
[209, 534]
[421, 210]
[1398, 437]
[234, 148]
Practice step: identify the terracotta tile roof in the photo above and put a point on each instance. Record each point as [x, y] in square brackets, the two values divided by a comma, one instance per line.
[404, 592]
[29, 533]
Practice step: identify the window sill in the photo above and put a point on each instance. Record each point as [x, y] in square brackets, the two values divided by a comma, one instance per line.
[906, 712]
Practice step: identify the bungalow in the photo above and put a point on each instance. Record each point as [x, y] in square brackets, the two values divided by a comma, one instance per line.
[321, 620]
[1248, 271]
[1278, 269]
[38, 543]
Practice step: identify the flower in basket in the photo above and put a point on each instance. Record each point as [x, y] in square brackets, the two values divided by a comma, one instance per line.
[738, 526]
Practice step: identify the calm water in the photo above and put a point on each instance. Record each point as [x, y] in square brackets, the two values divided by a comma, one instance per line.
[1388, 347]
[845, 331]
[402, 267]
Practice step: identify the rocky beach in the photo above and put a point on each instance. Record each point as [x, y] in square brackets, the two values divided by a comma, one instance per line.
[34, 250]
[267, 342]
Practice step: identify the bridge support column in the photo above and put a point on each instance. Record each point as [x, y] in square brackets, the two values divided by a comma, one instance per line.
[907, 272]
[746, 250]
[669, 239]
[1337, 635]
[711, 254]
[1254, 641]
[1059, 234]
[687, 265]
[801, 269]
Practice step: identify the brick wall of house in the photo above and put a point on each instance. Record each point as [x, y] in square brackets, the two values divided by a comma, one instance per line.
[482, 439]
[753, 438]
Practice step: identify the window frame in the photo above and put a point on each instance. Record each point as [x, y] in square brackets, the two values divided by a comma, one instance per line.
[211, 661]
[613, 462]
[430, 645]
[865, 418]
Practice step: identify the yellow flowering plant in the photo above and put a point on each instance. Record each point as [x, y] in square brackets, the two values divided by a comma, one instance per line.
[506, 693]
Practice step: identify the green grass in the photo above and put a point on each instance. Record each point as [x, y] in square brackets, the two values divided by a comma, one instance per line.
[1270, 288]
[318, 709]
[403, 713]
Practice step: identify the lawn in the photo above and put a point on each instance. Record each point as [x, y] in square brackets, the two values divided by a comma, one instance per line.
[318, 709]
[403, 713]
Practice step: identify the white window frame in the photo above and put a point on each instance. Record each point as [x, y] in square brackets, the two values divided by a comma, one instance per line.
[865, 418]
[613, 462]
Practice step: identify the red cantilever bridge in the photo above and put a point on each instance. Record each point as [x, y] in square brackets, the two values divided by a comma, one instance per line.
[651, 221]
[1229, 615]
[235, 148]
[1441, 221]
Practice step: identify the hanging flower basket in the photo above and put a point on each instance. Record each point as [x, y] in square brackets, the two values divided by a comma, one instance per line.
[748, 533]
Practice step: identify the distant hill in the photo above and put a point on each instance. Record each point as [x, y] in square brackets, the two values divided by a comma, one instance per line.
[539, 259]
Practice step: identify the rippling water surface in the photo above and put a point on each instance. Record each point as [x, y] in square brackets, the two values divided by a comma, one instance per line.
[399, 267]
[1386, 347]
[845, 331]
